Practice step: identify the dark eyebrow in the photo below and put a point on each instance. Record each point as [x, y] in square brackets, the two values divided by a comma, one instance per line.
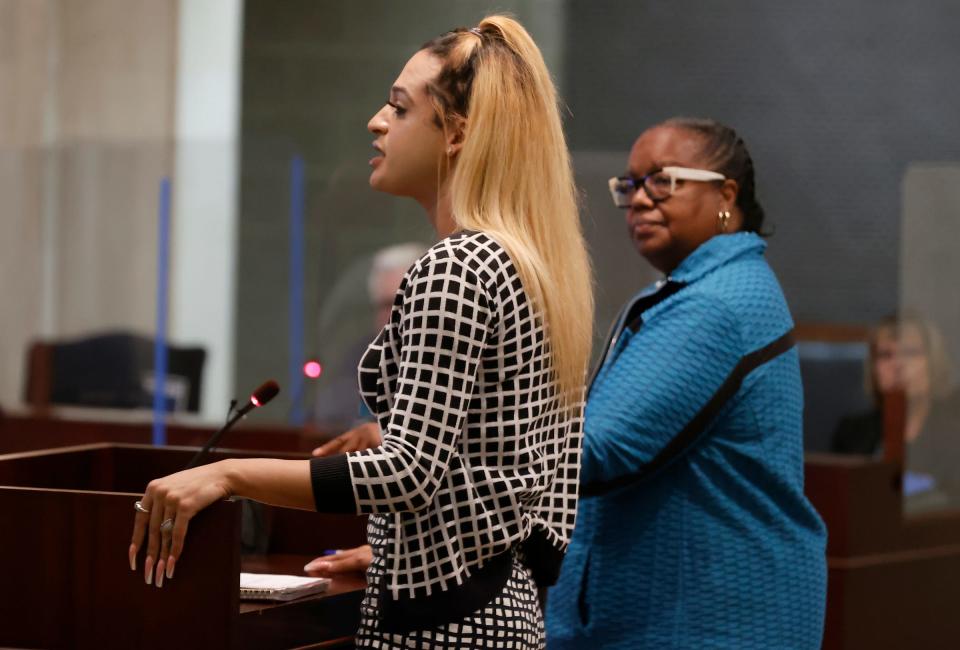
[400, 90]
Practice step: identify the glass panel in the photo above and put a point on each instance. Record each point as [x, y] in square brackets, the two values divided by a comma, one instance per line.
[919, 357]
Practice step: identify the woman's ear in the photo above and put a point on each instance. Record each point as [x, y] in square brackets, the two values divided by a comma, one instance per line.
[455, 135]
[728, 192]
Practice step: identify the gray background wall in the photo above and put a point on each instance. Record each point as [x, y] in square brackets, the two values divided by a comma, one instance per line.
[834, 99]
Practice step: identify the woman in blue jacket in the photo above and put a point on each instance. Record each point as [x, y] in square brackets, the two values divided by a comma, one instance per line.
[693, 530]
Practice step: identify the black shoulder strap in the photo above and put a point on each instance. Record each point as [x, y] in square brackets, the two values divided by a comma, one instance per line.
[691, 433]
[629, 317]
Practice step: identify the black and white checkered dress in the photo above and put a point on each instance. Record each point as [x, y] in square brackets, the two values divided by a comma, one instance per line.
[479, 462]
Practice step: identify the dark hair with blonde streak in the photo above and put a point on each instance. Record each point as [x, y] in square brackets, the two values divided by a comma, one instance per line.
[513, 178]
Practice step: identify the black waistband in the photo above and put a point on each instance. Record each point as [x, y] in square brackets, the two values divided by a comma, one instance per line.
[405, 614]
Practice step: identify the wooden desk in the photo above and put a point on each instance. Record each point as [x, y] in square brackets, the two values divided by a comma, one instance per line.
[333, 615]
[65, 427]
[892, 581]
[68, 515]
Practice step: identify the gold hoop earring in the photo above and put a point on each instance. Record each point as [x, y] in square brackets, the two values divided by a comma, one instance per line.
[723, 218]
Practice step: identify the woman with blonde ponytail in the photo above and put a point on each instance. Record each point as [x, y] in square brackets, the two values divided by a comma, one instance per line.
[477, 379]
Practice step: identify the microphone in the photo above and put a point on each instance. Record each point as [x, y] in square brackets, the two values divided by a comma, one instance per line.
[263, 394]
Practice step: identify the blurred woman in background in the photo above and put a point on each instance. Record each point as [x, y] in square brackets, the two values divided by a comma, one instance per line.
[907, 354]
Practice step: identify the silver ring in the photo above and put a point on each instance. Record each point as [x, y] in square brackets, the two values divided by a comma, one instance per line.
[139, 508]
[166, 526]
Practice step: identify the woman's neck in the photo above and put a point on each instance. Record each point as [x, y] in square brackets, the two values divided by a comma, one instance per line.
[439, 210]
[918, 409]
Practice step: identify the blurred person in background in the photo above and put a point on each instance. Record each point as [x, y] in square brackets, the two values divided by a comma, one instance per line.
[907, 354]
[338, 404]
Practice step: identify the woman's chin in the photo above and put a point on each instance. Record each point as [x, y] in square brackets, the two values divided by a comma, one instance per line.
[391, 186]
[654, 251]
[647, 244]
[377, 182]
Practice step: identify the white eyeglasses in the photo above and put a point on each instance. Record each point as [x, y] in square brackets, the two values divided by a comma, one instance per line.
[658, 185]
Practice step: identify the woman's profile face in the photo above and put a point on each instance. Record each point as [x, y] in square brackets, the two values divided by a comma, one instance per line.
[409, 145]
[667, 231]
[901, 362]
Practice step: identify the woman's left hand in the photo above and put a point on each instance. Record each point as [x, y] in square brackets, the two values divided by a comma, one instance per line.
[352, 560]
[173, 499]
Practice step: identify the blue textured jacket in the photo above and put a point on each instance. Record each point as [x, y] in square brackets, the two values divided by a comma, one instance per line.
[718, 548]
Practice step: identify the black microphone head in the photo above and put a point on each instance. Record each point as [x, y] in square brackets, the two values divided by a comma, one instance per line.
[265, 392]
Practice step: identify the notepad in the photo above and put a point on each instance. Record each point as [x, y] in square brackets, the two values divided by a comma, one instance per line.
[271, 586]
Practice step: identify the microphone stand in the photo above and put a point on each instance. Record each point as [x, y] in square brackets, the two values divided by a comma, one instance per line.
[254, 536]
[215, 438]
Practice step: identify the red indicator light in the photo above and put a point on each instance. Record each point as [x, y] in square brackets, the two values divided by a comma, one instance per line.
[312, 369]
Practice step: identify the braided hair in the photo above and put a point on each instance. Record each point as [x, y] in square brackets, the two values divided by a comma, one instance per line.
[728, 154]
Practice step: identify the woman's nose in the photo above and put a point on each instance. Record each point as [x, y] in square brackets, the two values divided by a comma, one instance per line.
[378, 123]
[640, 200]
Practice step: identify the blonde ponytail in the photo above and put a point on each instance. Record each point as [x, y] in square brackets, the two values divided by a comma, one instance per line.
[513, 178]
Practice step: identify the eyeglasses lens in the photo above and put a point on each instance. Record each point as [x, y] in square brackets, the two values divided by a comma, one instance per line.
[657, 187]
[622, 191]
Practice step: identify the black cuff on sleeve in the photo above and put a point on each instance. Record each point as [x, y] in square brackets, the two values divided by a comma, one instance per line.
[332, 485]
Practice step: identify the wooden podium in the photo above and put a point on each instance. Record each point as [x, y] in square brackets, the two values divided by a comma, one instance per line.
[893, 580]
[67, 522]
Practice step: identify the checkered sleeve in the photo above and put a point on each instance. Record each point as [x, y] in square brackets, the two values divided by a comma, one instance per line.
[557, 506]
[442, 333]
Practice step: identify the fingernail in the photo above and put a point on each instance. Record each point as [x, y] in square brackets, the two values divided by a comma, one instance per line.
[170, 563]
[159, 574]
[148, 568]
[132, 554]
